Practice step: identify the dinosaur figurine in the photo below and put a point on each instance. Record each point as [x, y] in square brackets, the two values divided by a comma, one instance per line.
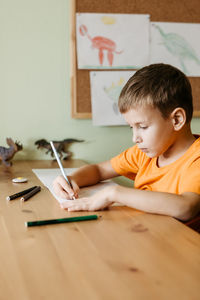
[61, 147]
[6, 154]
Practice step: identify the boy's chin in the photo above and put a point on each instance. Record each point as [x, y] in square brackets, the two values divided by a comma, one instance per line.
[151, 155]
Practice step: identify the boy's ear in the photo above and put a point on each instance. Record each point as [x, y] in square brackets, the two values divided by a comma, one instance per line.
[178, 117]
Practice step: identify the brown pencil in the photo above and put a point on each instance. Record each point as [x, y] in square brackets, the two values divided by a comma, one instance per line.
[22, 193]
[32, 193]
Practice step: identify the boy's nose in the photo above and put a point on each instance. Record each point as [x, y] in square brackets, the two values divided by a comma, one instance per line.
[136, 138]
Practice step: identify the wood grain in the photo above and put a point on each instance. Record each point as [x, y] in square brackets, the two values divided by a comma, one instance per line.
[125, 254]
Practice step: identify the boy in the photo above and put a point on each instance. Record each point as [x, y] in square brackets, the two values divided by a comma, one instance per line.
[165, 162]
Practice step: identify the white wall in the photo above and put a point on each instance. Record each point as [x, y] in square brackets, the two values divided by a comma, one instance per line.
[34, 83]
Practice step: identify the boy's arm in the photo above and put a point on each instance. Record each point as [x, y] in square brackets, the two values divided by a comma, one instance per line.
[92, 174]
[182, 207]
[84, 176]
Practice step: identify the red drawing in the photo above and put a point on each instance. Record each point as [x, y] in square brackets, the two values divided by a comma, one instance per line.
[101, 43]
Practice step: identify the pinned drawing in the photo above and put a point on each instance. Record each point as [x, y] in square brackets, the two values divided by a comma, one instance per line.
[105, 41]
[176, 44]
[113, 91]
[105, 91]
[102, 44]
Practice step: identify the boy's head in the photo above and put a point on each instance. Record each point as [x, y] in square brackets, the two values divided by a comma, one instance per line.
[160, 86]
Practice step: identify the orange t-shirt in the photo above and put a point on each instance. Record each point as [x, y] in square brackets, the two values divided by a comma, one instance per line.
[181, 176]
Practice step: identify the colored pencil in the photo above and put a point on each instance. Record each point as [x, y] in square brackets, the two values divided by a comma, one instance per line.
[14, 196]
[31, 193]
[63, 220]
[61, 167]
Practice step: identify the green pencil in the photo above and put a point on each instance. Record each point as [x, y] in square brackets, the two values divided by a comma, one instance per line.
[64, 220]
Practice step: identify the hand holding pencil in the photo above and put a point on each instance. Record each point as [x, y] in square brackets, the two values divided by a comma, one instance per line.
[63, 190]
[65, 181]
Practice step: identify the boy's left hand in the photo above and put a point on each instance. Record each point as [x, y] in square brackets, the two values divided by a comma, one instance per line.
[98, 201]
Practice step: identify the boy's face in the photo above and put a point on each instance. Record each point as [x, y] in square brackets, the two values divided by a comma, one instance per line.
[151, 132]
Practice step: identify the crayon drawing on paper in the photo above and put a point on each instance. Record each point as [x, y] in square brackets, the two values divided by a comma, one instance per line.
[177, 44]
[105, 90]
[110, 41]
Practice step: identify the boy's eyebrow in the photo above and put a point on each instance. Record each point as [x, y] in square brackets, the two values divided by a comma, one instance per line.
[138, 123]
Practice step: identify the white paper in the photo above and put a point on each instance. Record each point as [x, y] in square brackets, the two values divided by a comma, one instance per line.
[105, 90]
[112, 40]
[46, 176]
[177, 44]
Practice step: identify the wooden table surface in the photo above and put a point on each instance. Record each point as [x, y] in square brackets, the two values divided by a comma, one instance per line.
[126, 254]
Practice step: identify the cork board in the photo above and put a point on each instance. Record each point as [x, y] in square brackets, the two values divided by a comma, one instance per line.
[187, 11]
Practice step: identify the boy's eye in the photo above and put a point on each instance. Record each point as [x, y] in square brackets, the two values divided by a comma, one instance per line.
[143, 127]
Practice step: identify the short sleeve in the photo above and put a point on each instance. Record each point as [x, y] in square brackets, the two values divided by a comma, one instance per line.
[125, 164]
[190, 181]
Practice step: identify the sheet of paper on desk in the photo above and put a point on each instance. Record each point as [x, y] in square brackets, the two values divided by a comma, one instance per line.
[47, 176]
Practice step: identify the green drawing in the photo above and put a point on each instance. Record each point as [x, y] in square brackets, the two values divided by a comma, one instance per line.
[178, 46]
[113, 93]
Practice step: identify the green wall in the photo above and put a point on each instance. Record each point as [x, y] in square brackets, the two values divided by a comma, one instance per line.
[34, 84]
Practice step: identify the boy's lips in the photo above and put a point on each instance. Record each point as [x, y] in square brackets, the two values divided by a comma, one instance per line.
[144, 149]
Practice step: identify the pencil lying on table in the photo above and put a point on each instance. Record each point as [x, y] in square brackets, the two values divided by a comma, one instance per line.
[63, 220]
[14, 196]
[31, 193]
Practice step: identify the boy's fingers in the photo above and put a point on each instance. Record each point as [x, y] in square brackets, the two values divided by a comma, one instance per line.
[59, 191]
[75, 205]
[62, 188]
[68, 204]
[75, 188]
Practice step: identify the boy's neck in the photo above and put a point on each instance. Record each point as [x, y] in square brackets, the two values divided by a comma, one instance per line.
[182, 143]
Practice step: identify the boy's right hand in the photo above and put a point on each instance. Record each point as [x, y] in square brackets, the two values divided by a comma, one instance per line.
[62, 188]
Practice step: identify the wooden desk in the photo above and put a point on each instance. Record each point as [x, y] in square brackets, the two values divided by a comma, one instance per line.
[124, 255]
